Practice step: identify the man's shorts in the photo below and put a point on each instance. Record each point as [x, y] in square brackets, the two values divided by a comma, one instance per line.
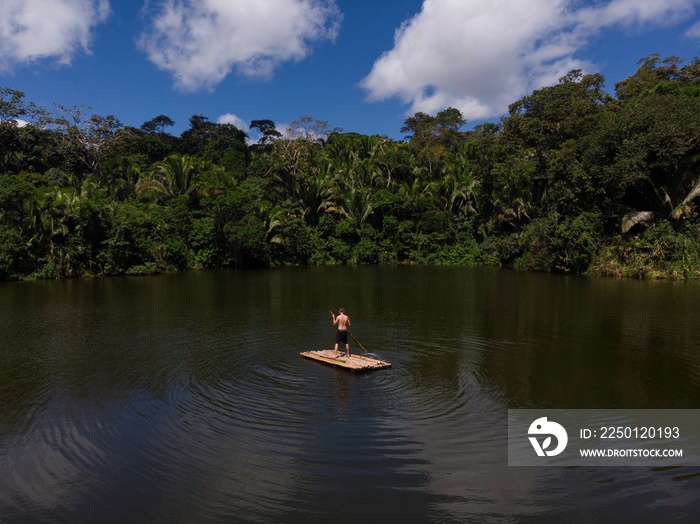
[341, 337]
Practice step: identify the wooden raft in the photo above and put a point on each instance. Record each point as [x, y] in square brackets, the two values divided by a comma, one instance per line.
[354, 363]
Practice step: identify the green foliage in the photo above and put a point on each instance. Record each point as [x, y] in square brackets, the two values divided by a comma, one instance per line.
[571, 180]
[205, 244]
[15, 260]
[559, 243]
[328, 247]
[15, 190]
[246, 242]
[140, 237]
[157, 125]
[466, 252]
[155, 147]
[652, 78]
[367, 251]
[658, 252]
[292, 240]
[11, 104]
[552, 115]
[267, 130]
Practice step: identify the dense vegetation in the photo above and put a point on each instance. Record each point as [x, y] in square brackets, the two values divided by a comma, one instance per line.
[573, 179]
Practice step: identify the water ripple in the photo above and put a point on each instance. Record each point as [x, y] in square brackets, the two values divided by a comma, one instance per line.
[186, 400]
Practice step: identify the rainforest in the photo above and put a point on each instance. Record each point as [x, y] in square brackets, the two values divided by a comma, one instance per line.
[572, 179]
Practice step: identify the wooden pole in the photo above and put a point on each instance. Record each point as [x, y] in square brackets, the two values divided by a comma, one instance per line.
[358, 343]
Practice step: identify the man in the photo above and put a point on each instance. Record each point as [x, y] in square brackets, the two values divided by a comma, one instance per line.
[343, 323]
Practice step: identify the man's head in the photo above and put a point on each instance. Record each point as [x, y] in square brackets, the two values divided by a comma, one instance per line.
[342, 310]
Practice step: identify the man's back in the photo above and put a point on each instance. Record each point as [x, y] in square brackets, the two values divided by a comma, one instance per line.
[343, 321]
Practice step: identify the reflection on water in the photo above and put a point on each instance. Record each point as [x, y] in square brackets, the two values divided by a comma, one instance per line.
[183, 398]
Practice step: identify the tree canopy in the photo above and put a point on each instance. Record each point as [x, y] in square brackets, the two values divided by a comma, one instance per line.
[572, 179]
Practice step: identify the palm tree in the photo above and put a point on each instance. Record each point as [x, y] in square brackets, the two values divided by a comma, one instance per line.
[53, 215]
[51, 211]
[176, 175]
[458, 187]
[420, 193]
[658, 157]
[356, 204]
[670, 202]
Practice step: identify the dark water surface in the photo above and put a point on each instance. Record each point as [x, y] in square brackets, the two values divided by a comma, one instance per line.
[184, 399]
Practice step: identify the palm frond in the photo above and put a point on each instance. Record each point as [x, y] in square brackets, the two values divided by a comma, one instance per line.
[638, 217]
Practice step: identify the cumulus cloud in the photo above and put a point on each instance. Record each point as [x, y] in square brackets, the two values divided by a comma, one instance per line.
[33, 30]
[481, 55]
[234, 120]
[202, 41]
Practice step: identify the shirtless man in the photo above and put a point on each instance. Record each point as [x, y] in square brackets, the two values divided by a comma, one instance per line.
[343, 322]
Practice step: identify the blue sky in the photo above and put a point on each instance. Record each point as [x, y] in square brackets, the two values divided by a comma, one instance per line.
[362, 65]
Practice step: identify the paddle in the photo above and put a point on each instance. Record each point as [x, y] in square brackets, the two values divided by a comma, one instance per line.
[357, 342]
[351, 336]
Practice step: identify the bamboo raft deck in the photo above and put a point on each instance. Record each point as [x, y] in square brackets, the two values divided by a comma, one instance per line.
[354, 363]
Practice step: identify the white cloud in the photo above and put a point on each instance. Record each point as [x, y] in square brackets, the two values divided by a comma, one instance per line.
[202, 41]
[694, 31]
[632, 13]
[481, 55]
[230, 118]
[32, 30]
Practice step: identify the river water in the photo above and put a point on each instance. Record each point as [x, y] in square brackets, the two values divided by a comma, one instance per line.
[183, 398]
